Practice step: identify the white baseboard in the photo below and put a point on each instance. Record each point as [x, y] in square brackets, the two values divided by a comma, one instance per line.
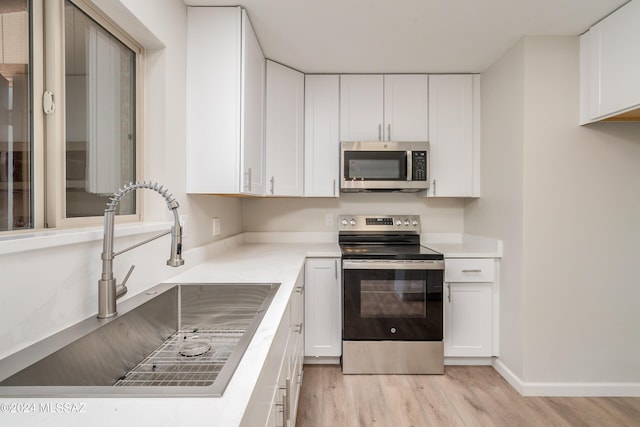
[324, 360]
[567, 389]
[467, 361]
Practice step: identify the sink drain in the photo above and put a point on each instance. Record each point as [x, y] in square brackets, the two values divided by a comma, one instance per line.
[193, 348]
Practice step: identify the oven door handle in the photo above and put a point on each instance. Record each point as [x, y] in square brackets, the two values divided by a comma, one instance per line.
[392, 264]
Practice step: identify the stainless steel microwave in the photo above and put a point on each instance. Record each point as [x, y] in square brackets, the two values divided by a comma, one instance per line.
[384, 166]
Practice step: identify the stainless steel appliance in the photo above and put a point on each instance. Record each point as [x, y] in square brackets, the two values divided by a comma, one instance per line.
[384, 166]
[392, 297]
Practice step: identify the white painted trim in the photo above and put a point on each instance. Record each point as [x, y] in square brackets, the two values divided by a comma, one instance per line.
[508, 375]
[567, 389]
[467, 361]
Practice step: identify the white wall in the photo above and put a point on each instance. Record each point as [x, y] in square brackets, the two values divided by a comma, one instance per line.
[436, 215]
[498, 213]
[580, 193]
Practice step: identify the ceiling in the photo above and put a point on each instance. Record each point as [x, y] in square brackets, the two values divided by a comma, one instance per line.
[393, 36]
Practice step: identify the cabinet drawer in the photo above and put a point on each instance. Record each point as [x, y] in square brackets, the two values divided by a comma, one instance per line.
[469, 270]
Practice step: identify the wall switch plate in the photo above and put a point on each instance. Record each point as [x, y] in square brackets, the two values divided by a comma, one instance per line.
[217, 228]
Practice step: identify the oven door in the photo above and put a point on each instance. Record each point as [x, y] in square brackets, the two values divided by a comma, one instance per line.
[392, 300]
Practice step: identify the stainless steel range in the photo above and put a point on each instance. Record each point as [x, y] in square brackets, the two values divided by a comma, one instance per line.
[392, 297]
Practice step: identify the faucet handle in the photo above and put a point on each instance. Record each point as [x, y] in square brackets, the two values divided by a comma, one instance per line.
[122, 288]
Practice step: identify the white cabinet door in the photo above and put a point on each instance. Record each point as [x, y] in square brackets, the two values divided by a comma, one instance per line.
[406, 107]
[284, 131]
[468, 320]
[454, 135]
[225, 103]
[252, 119]
[323, 308]
[361, 107]
[384, 108]
[321, 135]
[295, 350]
[610, 66]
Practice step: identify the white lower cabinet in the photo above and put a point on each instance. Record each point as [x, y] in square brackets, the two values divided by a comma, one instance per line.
[274, 401]
[470, 290]
[323, 311]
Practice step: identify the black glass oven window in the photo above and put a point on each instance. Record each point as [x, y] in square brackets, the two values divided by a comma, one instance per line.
[375, 165]
[392, 298]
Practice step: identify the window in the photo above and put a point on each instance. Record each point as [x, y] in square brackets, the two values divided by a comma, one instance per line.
[16, 189]
[59, 169]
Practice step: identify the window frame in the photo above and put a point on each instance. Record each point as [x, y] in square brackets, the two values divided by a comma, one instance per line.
[52, 185]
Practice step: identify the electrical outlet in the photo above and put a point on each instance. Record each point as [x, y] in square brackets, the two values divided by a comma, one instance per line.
[328, 220]
[217, 228]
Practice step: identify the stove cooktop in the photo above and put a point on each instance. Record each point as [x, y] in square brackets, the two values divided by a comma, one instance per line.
[383, 237]
[381, 251]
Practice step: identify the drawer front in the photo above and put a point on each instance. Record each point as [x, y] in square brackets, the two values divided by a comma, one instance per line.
[469, 270]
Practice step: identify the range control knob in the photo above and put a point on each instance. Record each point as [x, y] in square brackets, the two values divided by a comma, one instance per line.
[406, 222]
[352, 221]
[398, 223]
[414, 222]
[344, 221]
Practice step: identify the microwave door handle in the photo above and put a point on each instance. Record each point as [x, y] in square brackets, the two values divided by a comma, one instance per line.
[409, 166]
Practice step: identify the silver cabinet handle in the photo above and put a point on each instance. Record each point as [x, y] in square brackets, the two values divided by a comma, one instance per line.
[434, 186]
[449, 291]
[287, 407]
[299, 289]
[247, 184]
[300, 377]
[334, 187]
[335, 269]
[272, 185]
[299, 328]
[389, 132]
[285, 403]
[380, 132]
[475, 270]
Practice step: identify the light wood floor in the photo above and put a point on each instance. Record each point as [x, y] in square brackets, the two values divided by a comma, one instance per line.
[463, 396]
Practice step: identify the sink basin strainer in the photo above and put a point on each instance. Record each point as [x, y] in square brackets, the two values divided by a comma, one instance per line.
[193, 348]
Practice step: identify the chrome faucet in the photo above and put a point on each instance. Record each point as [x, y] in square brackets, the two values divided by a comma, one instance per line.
[108, 292]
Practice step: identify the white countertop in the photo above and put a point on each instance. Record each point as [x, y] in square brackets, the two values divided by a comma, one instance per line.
[463, 245]
[244, 263]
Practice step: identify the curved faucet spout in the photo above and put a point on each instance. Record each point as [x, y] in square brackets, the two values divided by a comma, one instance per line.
[108, 292]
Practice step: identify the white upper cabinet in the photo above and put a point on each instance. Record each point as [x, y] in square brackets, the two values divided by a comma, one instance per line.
[252, 117]
[225, 103]
[284, 131]
[406, 107]
[454, 135]
[361, 107]
[384, 108]
[610, 67]
[321, 135]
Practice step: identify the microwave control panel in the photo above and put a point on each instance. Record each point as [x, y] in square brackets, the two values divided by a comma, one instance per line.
[419, 163]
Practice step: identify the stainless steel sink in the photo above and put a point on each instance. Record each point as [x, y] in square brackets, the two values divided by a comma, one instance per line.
[175, 339]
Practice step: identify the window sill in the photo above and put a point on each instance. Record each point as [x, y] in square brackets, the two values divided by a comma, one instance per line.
[53, 238]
